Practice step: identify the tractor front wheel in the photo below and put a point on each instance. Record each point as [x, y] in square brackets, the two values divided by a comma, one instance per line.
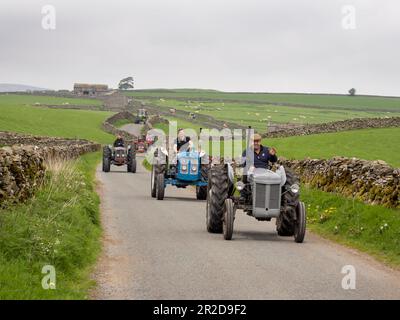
[300, 224]
[218, 187]
[160, 186]
[290, 200]
[228, 219]
[153, 183]
[201, 192]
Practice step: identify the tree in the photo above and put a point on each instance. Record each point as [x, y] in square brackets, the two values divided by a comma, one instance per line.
[352, 92]
[126, 83]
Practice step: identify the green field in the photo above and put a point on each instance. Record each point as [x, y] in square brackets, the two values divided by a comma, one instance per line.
[180, 124]
[363, 103]
[258, 109]
[259, 115]
[15, 99]
[369, 144]
[18, 116]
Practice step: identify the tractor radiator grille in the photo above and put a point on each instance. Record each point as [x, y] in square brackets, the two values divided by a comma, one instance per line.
[267, 196]
[260, 195]
[274, 196]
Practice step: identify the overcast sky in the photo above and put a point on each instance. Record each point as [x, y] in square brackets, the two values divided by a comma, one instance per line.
[232, 45]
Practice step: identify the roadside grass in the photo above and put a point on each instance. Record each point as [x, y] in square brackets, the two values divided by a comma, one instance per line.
[146, 165]
[65, 123]
[360, 102]
[59, 226]
[368, 228]
[258, 115]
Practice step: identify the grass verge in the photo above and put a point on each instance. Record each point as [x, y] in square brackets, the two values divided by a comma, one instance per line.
[121, 122]
[146, 165]
[60, 227]
[371, 229]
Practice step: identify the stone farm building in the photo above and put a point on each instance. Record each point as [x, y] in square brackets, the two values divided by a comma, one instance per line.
[87, 89]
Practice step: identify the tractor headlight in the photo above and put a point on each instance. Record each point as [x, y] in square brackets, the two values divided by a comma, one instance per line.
[295, 188]
[194, 168]
[184, 167]
[240, 185]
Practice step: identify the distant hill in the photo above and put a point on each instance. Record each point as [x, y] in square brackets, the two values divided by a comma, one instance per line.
[10, 87]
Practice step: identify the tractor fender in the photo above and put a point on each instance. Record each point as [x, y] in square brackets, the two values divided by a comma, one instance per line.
[231, 173]
[281, 171]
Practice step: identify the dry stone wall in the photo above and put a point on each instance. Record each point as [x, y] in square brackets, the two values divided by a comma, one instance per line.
[21, 172]
[345, 125]
[373, 182]
[109, 127]
[22, 161]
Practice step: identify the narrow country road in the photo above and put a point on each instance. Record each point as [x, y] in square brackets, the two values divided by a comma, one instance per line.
[132, 128]
[161, 250]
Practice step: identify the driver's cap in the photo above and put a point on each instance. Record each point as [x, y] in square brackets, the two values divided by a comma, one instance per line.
[256, 137]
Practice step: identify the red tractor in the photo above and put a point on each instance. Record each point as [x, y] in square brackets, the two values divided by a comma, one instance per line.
[141, 144]
[149, 139]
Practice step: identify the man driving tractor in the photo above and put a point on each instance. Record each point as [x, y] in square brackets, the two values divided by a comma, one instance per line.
[259, 157]
[259, 154]
[182, 141]
[119, 142]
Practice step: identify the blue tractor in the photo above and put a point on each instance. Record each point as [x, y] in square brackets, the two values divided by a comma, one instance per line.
[191, 169]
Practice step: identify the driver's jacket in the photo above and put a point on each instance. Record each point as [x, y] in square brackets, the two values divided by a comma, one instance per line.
[259, 160]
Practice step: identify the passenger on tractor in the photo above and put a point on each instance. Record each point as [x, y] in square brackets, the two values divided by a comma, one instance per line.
[259, 156]
[119, 142]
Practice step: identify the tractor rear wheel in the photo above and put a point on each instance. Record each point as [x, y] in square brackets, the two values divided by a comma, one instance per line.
[228, 219]
[218, 187]
[290, 200]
